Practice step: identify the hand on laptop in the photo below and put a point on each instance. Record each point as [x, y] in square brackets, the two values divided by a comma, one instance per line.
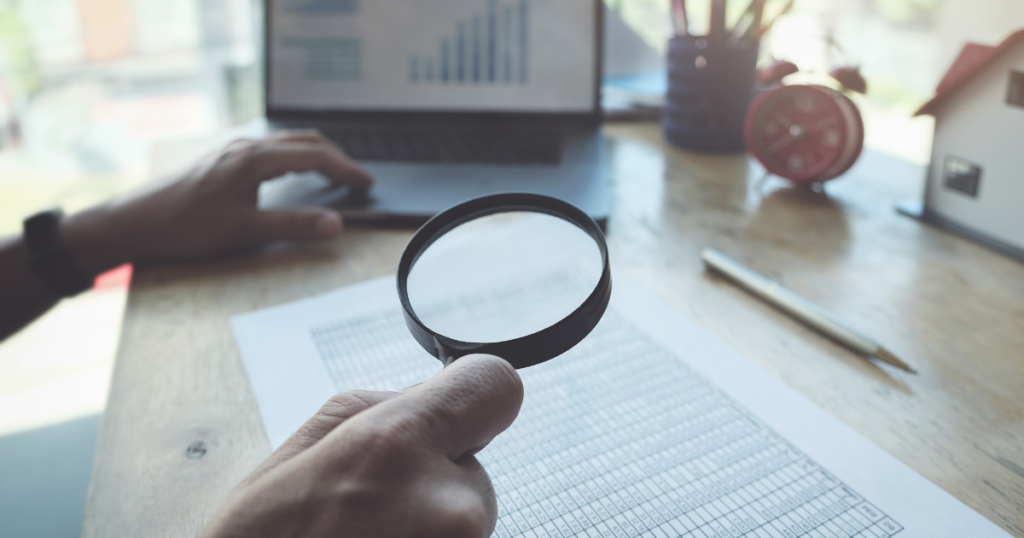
[211, 208]
[384, 464]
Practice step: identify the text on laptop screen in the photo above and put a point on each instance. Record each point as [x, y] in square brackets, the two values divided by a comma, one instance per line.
[441, 55]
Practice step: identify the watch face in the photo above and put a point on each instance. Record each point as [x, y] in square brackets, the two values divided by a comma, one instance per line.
[804, 133]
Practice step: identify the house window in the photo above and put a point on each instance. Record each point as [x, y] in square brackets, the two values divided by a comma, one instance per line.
[1015, 93]
[962, 176]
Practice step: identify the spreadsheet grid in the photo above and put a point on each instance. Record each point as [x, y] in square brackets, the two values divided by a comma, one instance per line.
[619, 438]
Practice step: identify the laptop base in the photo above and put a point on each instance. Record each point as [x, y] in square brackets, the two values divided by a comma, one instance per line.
[410, 193]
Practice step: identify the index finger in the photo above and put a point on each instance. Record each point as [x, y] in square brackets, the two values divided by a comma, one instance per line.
[274, 158]
[340, 408]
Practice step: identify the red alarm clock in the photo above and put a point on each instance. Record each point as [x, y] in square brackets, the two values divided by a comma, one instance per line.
[805, 133]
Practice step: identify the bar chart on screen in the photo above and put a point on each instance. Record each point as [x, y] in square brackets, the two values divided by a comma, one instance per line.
[500, 55]
[488, 47]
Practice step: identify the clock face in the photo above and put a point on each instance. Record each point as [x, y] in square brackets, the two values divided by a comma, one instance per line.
[804, 133]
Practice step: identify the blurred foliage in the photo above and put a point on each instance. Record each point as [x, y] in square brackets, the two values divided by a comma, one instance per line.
[908, 11]
[17, 63]
[886, 92]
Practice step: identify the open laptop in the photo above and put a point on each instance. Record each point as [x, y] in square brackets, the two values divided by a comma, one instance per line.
[441, 100]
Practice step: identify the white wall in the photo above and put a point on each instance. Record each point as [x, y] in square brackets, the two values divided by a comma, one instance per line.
[165, 25]
[980, 21]
[976, 124]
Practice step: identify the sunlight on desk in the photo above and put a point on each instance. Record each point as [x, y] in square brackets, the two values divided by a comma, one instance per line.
[59, 368]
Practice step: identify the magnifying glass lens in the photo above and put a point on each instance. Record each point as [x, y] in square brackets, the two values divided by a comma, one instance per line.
[519, 275]
[504, 276]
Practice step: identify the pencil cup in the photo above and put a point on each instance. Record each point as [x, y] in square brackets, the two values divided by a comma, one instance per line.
[710, 86]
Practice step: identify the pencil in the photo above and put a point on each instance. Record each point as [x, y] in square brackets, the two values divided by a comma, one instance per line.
[716, 29]
[748, 21]
[766, 27]
[758, 6]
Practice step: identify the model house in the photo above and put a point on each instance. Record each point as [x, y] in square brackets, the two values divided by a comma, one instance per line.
[976, 177]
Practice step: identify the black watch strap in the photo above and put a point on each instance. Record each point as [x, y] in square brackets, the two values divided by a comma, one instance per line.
[50, 260]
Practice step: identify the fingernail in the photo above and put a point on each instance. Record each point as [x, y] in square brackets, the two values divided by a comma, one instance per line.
[328, 226]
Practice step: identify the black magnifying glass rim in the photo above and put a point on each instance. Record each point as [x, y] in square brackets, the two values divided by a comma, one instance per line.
[531, 349]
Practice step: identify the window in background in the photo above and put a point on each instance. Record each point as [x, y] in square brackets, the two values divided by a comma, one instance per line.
[87, 87]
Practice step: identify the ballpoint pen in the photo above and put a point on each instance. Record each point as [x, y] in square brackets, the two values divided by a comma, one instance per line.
[679, 17]
[800, 308]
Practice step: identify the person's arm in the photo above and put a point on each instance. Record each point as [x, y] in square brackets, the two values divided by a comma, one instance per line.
[384, 464]
[208, 210]
[23, 297]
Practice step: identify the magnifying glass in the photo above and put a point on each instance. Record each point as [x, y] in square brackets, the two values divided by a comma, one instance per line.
[521, 276]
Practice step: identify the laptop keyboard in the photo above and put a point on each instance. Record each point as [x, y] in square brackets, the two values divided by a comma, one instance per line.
[468, 148]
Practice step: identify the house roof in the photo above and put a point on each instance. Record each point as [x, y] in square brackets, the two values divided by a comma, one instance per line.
[972, 59]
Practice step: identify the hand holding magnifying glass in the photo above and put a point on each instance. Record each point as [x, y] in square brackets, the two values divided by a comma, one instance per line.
[520, 276]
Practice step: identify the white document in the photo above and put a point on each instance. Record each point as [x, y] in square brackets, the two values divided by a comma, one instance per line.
[649, 427]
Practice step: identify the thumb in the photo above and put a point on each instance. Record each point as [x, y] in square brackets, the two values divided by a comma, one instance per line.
[461, 409]
[304, 224]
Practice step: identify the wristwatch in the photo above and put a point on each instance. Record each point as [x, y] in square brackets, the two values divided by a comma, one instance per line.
[51, 261]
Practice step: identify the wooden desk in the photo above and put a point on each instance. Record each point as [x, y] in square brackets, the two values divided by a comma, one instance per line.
[182, 427]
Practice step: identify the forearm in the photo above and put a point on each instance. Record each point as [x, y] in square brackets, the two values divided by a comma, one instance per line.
[23, 295]
[208, 211]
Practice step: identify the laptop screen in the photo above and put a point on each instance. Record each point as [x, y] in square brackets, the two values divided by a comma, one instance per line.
[537, 56]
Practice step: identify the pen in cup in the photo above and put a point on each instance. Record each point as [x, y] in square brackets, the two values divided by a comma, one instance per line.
[679, 18]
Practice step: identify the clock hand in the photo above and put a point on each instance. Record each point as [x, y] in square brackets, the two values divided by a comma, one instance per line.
[781, 143]
[827, 122]
[784, 121]
[794, 132]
